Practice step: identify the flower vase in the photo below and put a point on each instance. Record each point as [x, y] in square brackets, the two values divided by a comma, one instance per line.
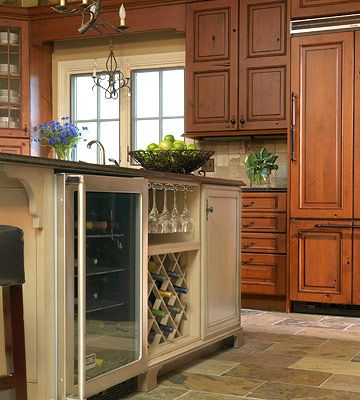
[63, 153]
[260, 182]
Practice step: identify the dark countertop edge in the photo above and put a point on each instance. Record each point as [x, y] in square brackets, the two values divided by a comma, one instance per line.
[109, 170]
[270, 189]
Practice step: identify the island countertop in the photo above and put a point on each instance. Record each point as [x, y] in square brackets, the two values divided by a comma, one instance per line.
[111, 170]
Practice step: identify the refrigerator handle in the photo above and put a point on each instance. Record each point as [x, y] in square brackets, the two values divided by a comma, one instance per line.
[81, 290]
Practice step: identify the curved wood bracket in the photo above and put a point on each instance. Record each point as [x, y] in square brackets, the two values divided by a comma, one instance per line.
[32, 180]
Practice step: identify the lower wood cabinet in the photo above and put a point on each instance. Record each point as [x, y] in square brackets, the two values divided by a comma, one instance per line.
[263, 274]
[263, 242]
[264, 222]
[321, 261]
[15, 146]
[356, 265]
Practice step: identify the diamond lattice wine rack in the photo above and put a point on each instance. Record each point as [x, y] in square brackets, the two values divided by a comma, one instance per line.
[167, 297]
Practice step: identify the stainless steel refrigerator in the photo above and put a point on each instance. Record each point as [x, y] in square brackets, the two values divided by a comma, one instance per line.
[101, 306]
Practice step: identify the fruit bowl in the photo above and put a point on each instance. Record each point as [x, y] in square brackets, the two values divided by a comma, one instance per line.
[178, 161]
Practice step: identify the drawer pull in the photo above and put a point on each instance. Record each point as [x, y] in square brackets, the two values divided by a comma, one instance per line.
[246, 246]
[248, 225]
[249, 261]
[331, 226]
[248, 204]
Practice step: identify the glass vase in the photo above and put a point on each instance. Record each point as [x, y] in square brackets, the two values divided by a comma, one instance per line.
[260, 181]
[63, 153]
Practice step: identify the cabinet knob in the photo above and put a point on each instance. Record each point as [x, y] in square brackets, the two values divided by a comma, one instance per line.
[208, 210]
[242, 121]
[233, 120]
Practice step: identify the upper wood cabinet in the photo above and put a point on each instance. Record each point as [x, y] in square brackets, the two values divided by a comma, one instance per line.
[322, 167]
[263, 63]
[223, 96]
[320, 261]
[356, 190]
[314, 8]
[211, 65]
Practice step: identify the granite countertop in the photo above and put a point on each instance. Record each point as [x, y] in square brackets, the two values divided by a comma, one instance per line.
[111, 170]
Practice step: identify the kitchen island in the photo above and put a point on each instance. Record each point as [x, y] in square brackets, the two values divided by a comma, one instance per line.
[203, 262]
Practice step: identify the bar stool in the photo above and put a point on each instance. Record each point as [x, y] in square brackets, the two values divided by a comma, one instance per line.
[11, 280]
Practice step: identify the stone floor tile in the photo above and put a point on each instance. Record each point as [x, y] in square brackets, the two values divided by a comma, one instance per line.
[331, 333]
[277, 329]
[192, 395]
[278, 374]
[335, 320]
[254, 345]
[327, 365]
[343, 382]
[160, 393]
[353, 328]
[208, 383]
[290, 349]
[273, 337]
[340, 326]
[265, 319]
[356, 358]
[209, 366]
[282, 391]
[307, 317]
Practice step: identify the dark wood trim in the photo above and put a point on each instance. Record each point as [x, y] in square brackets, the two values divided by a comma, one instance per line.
[261, 302]
[261, 132]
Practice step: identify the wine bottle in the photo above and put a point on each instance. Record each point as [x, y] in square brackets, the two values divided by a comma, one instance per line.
[158, 313]
[151, 336]
[173, 274]
[166, 328]
[181, 289]
[157, 277]
[96, 225]
[173, 309]
[165, 293]
[152, 266]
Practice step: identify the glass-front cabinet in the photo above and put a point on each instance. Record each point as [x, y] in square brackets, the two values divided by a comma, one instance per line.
[14, 79]
[102, 237]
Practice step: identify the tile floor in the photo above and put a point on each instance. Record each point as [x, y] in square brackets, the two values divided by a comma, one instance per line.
[285, 356]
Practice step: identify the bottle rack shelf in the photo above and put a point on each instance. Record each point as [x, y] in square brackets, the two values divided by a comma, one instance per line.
[167, 307]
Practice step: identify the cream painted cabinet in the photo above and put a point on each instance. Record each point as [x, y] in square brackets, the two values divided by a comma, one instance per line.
[220, 273]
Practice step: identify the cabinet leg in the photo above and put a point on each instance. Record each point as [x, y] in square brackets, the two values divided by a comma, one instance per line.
[238, 339]
[148, 381]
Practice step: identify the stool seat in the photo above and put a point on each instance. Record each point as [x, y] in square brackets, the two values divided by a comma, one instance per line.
[11, 280]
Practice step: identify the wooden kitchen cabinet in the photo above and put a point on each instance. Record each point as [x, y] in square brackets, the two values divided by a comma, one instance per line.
[14, 85]
[224, 97]
[318, 8]
[322, 142]
[263, 249]
[320, 260]
[211, 65]
[15, 146]
[356, 265]
[220, 260]
[263, 72]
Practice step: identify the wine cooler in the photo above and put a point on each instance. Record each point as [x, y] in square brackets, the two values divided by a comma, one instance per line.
[101, 309]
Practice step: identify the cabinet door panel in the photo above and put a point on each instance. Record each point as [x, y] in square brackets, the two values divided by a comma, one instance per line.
[264, 222]
[356, 265]
[263, 242]
[211, 66]
[356, 194]
[312, 8]
[220, 260]
[320, 262]
[322, 80]
[15, 146]
[263, 274]
[263, 68]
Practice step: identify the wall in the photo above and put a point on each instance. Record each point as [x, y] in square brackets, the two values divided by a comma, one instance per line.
[230, 155]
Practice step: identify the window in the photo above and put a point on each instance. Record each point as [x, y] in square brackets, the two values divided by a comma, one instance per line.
[157, 105]
[90, 108]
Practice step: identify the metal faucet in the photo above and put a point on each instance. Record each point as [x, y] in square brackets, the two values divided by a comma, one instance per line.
[101, 148]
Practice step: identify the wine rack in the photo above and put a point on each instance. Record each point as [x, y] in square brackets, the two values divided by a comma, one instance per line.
[167, 298]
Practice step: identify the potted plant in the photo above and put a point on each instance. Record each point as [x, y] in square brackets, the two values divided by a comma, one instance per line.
[259, 166]
[61, 136]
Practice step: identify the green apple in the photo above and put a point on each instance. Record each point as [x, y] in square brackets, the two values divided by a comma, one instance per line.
[191, 146]
[152, 146]
[170, 138]
[178, 145]
[165, 145]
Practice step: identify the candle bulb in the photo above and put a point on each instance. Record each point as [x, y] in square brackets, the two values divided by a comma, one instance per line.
[94, 69]
[84, 2]
[62, 3]
[122, 15]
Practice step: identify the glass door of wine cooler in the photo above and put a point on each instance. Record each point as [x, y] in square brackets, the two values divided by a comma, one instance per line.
[101, 312]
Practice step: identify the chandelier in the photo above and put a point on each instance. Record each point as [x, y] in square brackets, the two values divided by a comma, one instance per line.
[111, 80]
[113, 77]
[90, 13]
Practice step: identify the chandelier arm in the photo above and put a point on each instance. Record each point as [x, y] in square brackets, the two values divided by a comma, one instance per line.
[94, 12]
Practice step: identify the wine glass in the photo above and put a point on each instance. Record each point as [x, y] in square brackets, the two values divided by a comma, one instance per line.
[153, 220]
[176, 220]
[165, 217]
[187, 219]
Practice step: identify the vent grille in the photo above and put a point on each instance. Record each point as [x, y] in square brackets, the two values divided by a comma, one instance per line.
[325, 24]
[117, 391]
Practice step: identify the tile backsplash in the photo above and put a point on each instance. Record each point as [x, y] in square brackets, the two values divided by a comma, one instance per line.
[230, 154]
